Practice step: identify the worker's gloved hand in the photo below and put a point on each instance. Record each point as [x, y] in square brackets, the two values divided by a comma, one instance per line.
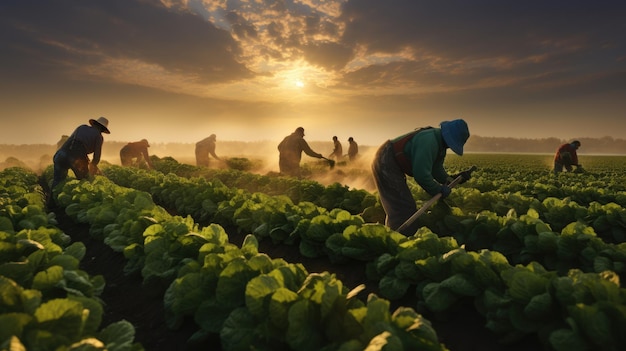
[465, 176]
[445, 191]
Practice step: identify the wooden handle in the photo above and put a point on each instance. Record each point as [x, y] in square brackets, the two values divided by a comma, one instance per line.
[430, 202]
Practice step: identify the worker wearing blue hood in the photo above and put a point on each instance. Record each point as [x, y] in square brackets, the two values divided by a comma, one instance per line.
[419, 154]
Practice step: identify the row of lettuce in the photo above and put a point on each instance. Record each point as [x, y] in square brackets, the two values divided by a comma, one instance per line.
[559, 234]
[245, 296]
[46, 301]
[504, 174]
[517, 299]
[499, 186]
[523, 276]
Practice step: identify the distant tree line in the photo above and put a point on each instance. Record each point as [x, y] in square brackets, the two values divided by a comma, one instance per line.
[605, 145]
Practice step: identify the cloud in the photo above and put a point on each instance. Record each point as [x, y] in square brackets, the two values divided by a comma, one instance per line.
[460, 42]
[394, 64]
[81, 38]
[331, 56]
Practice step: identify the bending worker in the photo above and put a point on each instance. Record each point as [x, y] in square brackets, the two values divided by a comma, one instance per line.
[419, 154]
[73, 154]
[132, 153]
[204, 148]
[566, 157]
[290, 152]
[337, 149]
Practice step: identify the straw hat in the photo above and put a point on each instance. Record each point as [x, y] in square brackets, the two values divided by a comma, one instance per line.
[102, 122]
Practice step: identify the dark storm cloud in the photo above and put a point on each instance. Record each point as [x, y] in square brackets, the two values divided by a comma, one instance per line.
[42, 35]
[465, 41]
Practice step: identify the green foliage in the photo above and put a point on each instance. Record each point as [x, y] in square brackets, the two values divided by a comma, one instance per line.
[46, 301]
[534, 252]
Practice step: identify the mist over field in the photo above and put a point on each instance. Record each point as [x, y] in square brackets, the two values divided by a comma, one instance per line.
[264, 154]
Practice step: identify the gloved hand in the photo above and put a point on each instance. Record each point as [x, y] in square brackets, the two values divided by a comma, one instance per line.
[465, 176]
[445, 191]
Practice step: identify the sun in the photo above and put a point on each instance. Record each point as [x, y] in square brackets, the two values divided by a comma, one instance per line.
[299, 83]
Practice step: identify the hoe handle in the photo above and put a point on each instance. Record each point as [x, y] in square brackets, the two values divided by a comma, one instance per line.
[430, 202]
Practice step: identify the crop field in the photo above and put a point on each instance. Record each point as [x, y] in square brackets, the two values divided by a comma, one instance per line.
[194, 258]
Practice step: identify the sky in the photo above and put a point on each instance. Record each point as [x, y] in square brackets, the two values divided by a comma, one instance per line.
[251, 70]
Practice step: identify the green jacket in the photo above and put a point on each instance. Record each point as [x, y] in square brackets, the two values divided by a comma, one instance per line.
[426, 152]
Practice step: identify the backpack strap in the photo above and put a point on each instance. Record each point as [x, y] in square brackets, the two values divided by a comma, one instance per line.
[398, 150]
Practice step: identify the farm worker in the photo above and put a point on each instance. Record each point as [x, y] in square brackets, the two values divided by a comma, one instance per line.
[85, 140]
[204, 148]
[353, 149]
[290, 152]
[566, 157]
[419, 154]
[132, 153]
[337, 150]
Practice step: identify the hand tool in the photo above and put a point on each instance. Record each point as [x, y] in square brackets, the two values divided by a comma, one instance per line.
[430, 202]
[331, 163]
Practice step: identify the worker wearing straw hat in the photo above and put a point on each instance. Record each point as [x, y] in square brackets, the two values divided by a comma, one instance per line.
[85, 140]
[133, 153]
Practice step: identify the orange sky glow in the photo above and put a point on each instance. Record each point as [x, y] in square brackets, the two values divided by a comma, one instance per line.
[178, 71]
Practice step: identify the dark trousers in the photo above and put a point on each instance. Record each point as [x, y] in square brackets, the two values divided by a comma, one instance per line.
[558, 167]
[394, 193]
[64, 160]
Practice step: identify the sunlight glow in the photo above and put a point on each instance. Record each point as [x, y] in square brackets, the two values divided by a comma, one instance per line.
[299, 84]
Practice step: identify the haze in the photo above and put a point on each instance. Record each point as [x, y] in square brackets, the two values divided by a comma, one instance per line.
[177, 71]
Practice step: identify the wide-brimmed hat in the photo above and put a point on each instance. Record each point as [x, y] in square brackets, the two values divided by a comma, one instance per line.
[145, 142]
[455, 133]
[102, 122]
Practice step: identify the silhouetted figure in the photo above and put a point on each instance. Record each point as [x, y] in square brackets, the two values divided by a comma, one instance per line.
[337, 150]
[133, 153]
[290, 152]
[73, 154]
[419, 154]
[62, 141]
[566, 157]
[353, 149]
[204, 148]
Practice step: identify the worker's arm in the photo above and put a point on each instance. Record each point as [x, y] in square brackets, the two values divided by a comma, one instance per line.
[146, 157]
[307, 149]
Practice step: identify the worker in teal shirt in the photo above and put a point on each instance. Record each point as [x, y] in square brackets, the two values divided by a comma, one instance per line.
[419, 154]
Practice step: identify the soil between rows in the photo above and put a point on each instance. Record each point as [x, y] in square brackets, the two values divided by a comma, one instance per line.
[126, 298]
